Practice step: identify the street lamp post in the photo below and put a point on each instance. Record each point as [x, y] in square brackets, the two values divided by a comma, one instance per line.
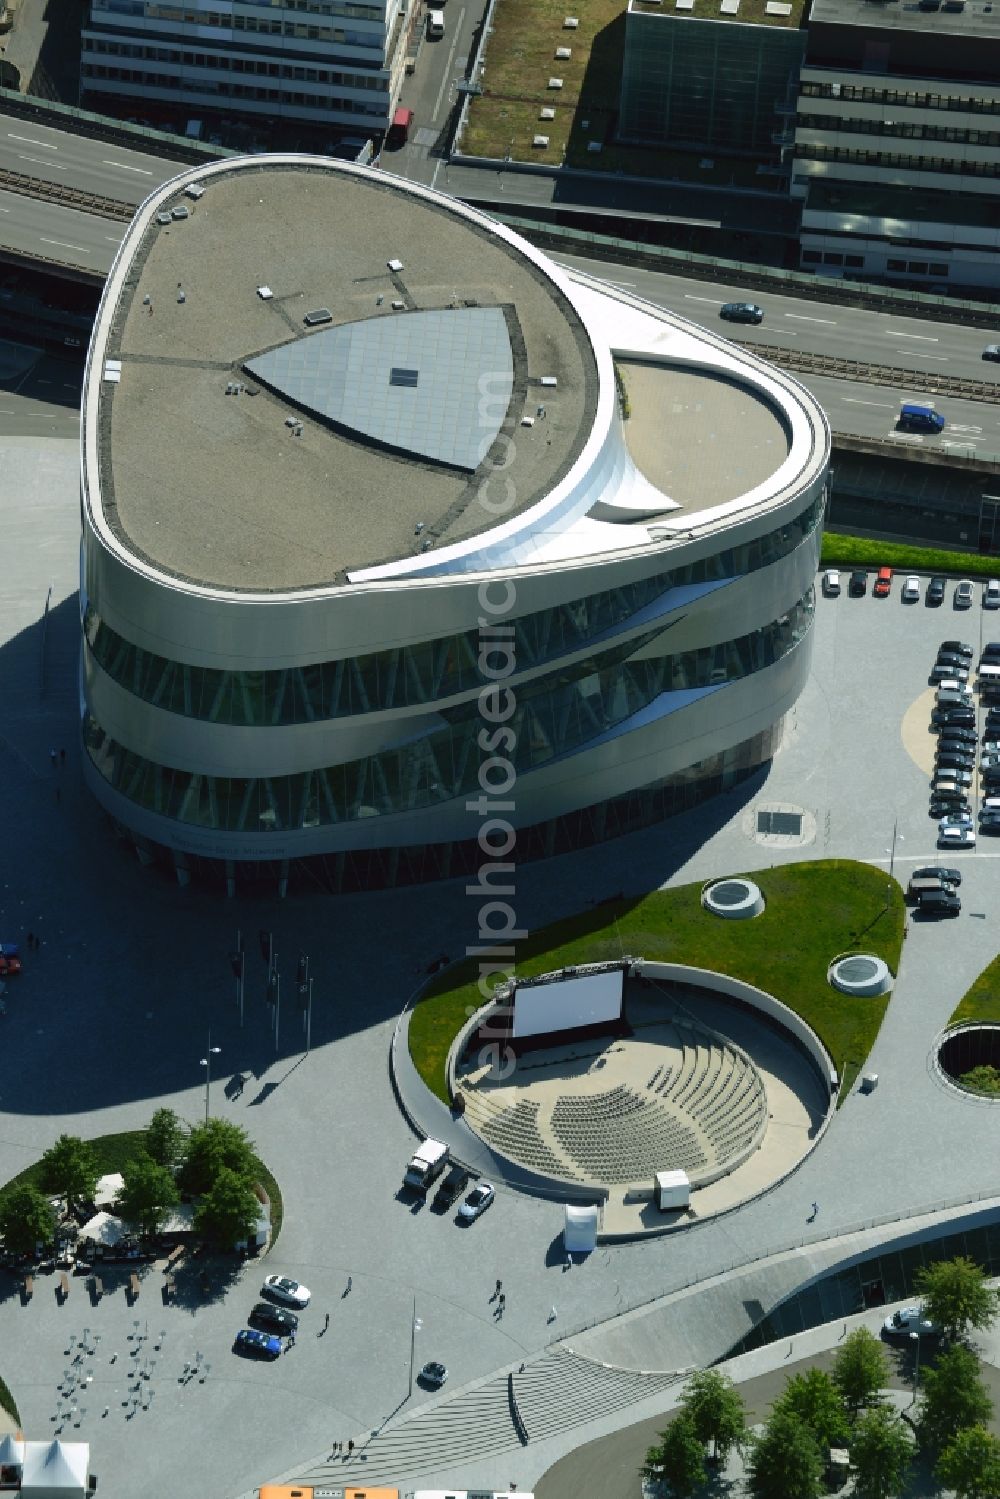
[915, 1340]
[206, 1062]
[415, 1326]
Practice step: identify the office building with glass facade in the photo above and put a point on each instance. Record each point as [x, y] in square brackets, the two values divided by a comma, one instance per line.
[393, 530]
[711, 74]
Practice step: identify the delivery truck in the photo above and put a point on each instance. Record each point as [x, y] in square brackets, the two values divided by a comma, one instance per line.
[426, 1165]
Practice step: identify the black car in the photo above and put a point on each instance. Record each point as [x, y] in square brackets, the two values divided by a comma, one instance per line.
[948, 806]
[935, 592]
[960, 647]
[946, 670]
[945, 763]
[961, 717]
[989, 822]
[953, 658]
[858, 584]
[960, 739]
[938, 872]
[451, 1189]
[741, 312]
[992, 353]
[939, 903]
[275, 1318]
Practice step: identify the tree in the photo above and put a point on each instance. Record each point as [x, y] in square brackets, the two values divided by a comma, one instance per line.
[27, 1218]
[147, 1195]
[785, 1462]
[70, 1168]
[679, 1459]
[716, 1410]
[228, 1211]
[956, 1296]
[165, 1138]
[881, 1451]
[212, 1147]
[954, 1397]
[860, 1370]
[970, 1464]
[815, 1400]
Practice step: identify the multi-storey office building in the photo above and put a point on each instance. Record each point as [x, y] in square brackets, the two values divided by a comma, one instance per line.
[712, 74]
[325, 62]
[402, 544]
[897, 141]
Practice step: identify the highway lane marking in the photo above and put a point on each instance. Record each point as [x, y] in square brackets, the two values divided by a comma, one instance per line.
[26, 140]
[800, 317]
[922, 354]
[64, 246]
[955, 427]
[124, 167]
[856, 401]
[112, 239]
[923, 337]
[689, 298]
[41, 161]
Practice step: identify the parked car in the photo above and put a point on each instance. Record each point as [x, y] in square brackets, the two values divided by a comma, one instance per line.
[911, 590]
[939, 903]
[989, 821]
[9, 966]
[959, 647]
[991, 594]
[949, 807]
[957, 717]
[859, 583]
[908, 1319]
[277, 1318]
[289, 1292]
[10, 950]
[256, 1343]
[741, 312]
[964, 594]
[953, 658]
[947, 670]
[477, 1202]
[946, 763]
[831, 583]
[955, 738]
[883, 583]
[938, 872]
[433, 1375]
[451, 1189]
[956, 835]
[935, 592]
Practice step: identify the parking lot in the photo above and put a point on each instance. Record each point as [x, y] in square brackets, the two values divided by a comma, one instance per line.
[109, 1020]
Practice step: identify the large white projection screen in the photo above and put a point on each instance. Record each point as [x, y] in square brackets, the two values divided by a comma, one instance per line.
[568, 1004]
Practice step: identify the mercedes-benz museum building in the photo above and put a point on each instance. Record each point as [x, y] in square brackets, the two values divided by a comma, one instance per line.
[405, 547]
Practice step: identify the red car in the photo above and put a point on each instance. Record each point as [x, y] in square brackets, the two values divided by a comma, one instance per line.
[883, 583]
[9, 966]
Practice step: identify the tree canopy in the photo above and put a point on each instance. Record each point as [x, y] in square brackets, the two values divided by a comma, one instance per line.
[212, 1147]
[228, 1211]
[970, 1464]
[816, 1400]
[954, 1397]
[147, 1195]
[785, 1462]
[69, 1168]
[679, 1458]
[955, 1296]
[860, 1370]
[716, 1410]
[27, 1218]
[165, 1138]
[881, 1451]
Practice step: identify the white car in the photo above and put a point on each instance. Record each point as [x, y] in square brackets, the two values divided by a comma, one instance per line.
[964, 594]
[956, 835]
[911, 591]
[955, 819]
[477, 1202]
[831, 583]
[908, 1319]
[287, 1291]
[991, 594]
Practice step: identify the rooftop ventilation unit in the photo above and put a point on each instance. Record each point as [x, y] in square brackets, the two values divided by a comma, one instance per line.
[403, 377]
[394, 265]
[571, 23]
[550, 380]
[540, 141]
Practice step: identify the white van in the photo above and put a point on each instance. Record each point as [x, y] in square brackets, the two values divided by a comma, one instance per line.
[435, 24]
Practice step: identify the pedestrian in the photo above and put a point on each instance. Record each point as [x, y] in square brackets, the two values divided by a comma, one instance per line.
[502, 1302]
[350, 1447]
[31, 938]
[326, 1322]
[350, 1283]
[553, 1314]
[499, 1288]
[62, 757]
[52, 756]
[291, 1342]
[814, 1211]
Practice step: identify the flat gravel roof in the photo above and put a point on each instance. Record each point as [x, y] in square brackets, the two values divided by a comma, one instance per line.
[220, 489]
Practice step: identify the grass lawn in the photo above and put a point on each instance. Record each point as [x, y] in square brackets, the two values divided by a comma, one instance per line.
[982, 1001]
[851, 551]
[113, 1152]
[814, 912]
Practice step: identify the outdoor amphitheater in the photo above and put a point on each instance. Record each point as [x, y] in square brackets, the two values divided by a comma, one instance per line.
[689, 1078]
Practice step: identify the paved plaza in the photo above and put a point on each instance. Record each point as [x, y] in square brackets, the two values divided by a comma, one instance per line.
[110, 1018]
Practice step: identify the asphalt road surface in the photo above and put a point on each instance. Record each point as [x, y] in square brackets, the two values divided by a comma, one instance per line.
[39, 392]
[92, 166]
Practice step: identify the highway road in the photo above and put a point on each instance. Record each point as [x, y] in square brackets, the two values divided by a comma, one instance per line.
[820, 327]
[32, 226]
[91, 166]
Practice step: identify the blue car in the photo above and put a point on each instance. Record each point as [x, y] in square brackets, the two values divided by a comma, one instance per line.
[261, 1344]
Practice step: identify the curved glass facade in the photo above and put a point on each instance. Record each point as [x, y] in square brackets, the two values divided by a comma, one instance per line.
[553, 715]
[413, 675]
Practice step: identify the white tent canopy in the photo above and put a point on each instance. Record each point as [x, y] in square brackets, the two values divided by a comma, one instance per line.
[107, 1189]
[55, 1470]
[103, 1228]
